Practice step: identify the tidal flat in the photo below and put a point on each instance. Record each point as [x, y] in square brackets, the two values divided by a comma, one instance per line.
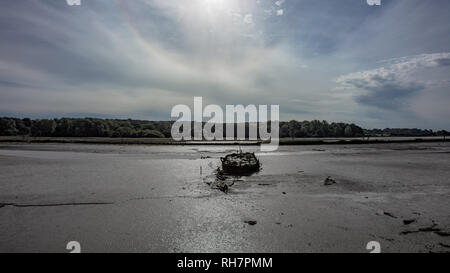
[155, 198]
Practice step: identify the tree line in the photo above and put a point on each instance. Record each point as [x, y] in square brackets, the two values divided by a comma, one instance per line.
[404, 132]
[95, 127]
[84, 127]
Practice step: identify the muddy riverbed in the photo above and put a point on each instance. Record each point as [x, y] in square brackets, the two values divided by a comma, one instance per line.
[135, 198]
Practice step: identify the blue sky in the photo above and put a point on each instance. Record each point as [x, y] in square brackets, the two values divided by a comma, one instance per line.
[377, 66]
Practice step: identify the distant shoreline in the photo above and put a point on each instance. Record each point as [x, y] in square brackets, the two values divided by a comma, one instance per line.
[169, 141]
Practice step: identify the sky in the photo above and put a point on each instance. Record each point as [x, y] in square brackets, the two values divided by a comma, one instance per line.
[343, 61]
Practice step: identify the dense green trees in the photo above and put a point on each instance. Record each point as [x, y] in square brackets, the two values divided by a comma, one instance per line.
[8, 127]
[43, 127]
[400, 132]
[84, 127]
[316, 128]
[94, 127]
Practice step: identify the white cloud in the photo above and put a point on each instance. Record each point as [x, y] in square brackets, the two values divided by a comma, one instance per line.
[409, 84]
[129, 63]
[401, 70]
[126, 68]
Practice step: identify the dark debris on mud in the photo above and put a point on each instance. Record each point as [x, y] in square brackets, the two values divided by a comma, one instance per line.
[329, 181]
[251, 222]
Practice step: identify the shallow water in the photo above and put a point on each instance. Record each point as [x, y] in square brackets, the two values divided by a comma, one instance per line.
[137, 198]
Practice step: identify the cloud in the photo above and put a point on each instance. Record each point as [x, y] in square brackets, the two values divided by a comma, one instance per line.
[139, 58]
[399, 83]
[91, 62]
[443, 62]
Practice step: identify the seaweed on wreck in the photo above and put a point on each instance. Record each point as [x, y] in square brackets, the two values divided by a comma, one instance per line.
[240, 163]
[234, 166]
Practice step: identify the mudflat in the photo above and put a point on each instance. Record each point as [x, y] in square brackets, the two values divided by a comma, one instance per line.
[137, 198]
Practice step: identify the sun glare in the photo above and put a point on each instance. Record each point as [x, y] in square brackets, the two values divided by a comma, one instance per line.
[217, 5]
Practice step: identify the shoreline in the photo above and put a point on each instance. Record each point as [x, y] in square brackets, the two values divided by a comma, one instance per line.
[169, 141]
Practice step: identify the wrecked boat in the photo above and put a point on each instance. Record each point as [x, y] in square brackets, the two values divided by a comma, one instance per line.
[240, 163]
